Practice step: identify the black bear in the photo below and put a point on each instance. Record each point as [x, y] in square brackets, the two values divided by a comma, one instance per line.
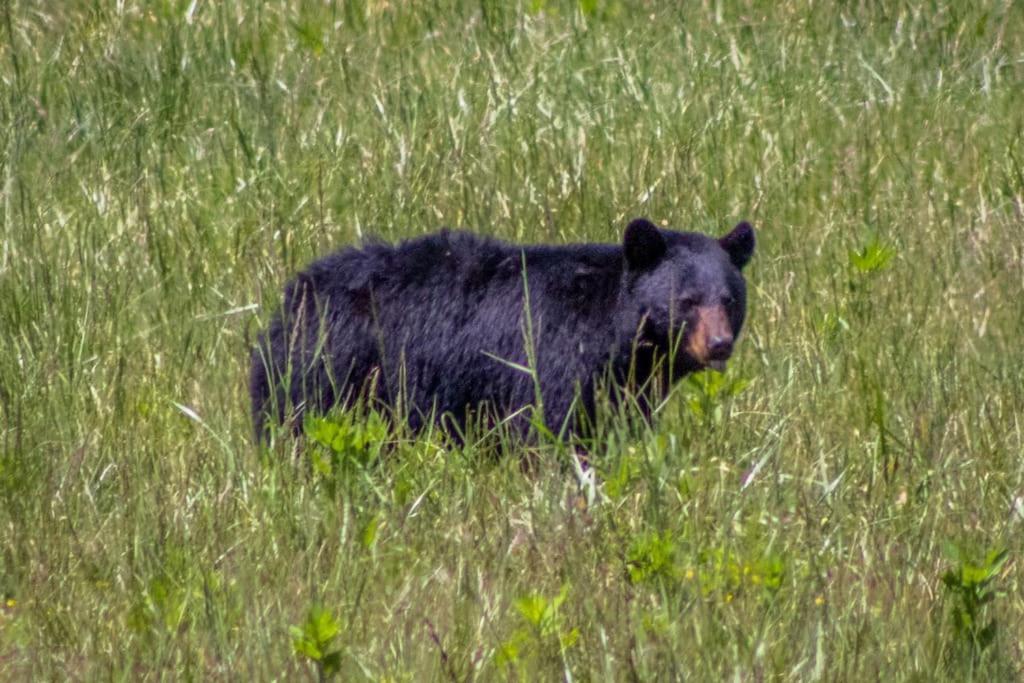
[437, 326]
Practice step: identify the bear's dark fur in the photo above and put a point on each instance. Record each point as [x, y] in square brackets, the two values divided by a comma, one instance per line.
[436, 325]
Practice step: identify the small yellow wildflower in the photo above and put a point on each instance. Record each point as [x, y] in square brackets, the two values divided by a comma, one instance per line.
[820, 600]
[11, 602]
[689, 574]
[728, 597]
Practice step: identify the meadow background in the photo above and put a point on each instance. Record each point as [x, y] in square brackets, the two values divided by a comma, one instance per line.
[845, 503]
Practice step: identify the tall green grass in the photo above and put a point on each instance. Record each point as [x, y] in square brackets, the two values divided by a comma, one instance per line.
[165, 166]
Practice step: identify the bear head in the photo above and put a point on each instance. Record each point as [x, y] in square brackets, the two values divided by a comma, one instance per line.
[685, 292]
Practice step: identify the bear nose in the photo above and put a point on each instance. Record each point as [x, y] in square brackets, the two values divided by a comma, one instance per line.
[719, 348]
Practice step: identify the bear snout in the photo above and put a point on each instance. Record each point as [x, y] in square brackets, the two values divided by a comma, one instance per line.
[720, 348]
[710, 341]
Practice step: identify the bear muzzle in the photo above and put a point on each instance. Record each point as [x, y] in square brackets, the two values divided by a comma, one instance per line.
[710, 341]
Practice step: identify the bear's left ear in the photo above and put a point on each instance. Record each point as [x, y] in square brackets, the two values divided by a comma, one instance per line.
[643, 244]
[739, 244]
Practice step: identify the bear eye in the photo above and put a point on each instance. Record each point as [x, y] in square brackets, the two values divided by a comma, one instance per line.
[728, 301]
[688, 302]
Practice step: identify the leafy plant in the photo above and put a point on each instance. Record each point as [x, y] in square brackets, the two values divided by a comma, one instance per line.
[161, 606]
[345, 443]
[349, 436]
[313, 639]
[650, 556]
[543, 615]
[728, 574]
[872, 257]
[969, 586]
[705, 392]
[544, 626]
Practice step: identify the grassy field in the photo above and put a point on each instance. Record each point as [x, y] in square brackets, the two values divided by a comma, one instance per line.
[846, 502]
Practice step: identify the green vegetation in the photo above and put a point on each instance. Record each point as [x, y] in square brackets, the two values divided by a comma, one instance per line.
[165, 166]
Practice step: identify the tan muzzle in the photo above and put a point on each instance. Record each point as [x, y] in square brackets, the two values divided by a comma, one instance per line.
[710, 340]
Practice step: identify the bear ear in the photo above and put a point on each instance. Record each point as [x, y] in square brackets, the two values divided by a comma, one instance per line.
[739, 244]
[643, 244]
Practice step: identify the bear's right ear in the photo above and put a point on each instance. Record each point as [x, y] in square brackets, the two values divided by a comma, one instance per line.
[643, 244]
